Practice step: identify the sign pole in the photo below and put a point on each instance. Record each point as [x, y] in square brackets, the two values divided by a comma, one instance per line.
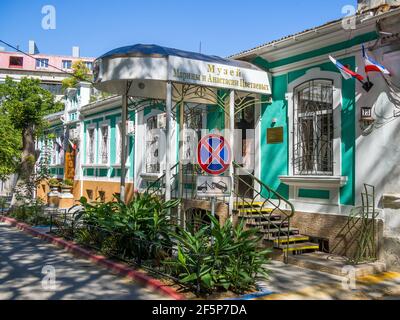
[213, 200]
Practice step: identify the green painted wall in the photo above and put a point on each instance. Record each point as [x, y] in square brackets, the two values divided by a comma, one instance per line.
[347, 193]
[314, 194]
[215, 113]
[274, 157]
[271, 169]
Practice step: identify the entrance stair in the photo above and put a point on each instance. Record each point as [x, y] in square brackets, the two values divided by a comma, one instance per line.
[274, 227]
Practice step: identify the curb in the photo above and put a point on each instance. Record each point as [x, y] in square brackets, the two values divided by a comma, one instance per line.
[119, 268]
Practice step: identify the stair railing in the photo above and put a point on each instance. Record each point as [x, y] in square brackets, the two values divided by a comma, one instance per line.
[270, 199]
[157, 187]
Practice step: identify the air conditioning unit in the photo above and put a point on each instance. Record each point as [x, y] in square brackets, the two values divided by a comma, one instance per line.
[162, 121]
[130, 128]
[74, 134]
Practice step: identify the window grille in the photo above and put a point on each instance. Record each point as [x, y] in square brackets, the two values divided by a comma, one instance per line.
[91, 146]
[313, 128]
[118, 145]
[152, 146]
[104, 145]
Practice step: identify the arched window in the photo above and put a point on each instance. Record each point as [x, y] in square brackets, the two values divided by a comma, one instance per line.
[313, 128]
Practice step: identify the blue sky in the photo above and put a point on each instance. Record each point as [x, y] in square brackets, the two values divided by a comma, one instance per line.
[223, 27]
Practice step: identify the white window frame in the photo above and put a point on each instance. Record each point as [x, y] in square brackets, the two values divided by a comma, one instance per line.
[315, 118]
[88, 129]
[103, 125]
[118, 128]
[42, 63]
[67, 61]
[316, 74]
[332, 183]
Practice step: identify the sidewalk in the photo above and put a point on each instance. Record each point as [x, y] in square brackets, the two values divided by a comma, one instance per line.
[22, 259]
[288, 282]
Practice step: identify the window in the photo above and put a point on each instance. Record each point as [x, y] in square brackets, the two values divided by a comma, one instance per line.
[42, 63]
[91, 145]
[104, 144]
[118, 146]
[313, 128]
[152, 146]
[16, 62]
[57, 156]
[89, 65]
[54, 88]
[67, 64]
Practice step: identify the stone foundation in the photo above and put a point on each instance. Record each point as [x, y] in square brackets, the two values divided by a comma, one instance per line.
[335, 229]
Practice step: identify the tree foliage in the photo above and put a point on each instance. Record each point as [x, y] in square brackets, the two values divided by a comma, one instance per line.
[80, 73]
[10, 147]
[23, 105]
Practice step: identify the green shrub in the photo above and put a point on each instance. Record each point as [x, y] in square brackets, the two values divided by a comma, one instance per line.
[53, 182]
[219, 257]
[139, 229]
[31, 213]
[68, 182]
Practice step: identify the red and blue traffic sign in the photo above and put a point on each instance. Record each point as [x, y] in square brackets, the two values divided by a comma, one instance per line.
[214, 154]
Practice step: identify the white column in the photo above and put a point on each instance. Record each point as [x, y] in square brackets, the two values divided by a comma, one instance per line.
[231, 142]
[168, 105]
[123, 146]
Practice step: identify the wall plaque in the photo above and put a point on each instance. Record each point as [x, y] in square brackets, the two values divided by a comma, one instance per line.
[275, 135]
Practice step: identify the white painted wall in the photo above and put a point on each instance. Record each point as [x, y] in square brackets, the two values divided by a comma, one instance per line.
[378, 145]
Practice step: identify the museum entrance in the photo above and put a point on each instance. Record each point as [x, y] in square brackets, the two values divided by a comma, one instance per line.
[244, 150]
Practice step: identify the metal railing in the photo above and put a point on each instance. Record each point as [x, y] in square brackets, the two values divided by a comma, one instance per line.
[267, 198]
[361, 229]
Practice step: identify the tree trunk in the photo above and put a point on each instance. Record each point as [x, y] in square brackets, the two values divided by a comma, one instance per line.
[25, 186]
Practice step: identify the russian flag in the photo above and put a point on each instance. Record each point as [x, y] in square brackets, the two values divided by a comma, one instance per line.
[372, 66]
[346, 72]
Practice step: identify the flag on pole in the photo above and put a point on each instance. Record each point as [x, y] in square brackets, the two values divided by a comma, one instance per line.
[73, 145]
[372, 66]
[346, 72]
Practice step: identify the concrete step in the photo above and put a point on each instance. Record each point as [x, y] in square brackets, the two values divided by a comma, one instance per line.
[248, 204]
[273, 232]
[301, 246]
[266, 223]
[333, 264]
[292, 239]
[255, 210]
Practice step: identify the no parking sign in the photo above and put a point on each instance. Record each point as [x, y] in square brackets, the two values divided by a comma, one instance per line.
[214, 154]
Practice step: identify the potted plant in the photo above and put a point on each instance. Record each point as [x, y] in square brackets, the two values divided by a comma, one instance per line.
[52, 196]
[67, 185]
[54, 184]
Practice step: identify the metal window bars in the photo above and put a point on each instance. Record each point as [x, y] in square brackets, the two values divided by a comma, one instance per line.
[313, 128]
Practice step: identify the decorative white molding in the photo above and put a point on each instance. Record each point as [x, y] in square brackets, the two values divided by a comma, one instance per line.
[316, 182]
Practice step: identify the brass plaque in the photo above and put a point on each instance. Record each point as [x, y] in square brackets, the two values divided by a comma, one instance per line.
[275, 135]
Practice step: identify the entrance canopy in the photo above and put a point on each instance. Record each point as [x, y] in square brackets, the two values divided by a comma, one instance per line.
[148, 67]
[155, 72]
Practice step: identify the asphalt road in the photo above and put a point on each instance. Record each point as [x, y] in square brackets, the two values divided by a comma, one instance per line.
[28, 266]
